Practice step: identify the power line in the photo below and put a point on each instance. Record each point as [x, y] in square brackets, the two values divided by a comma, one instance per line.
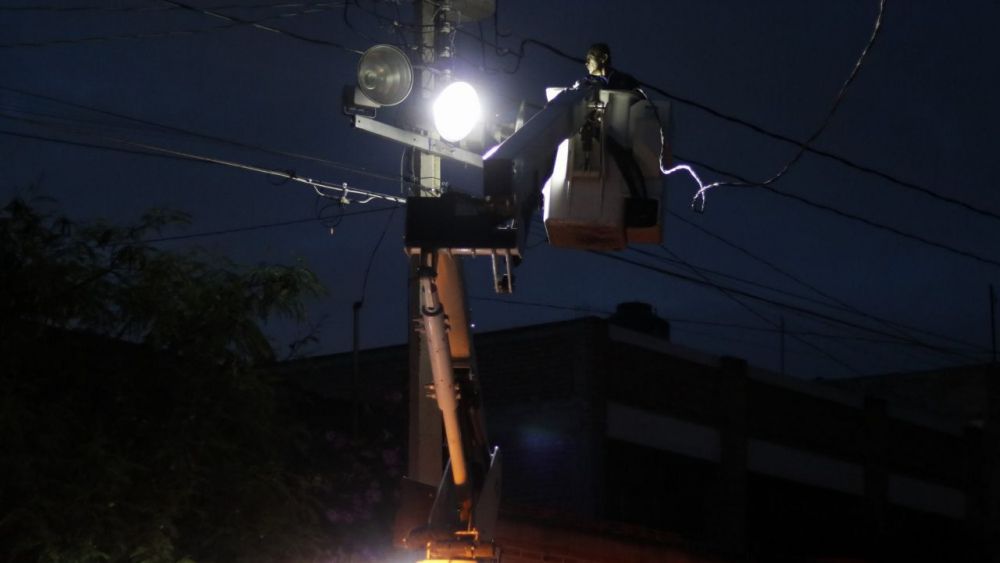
[116, 37]
[902, 337]
[682, 321]
[743, 250]
[261, 226]
[204, 136]
[749, 183]
[907, 339]
[371, 258]
[272, 29]
[344, 188]
[890, 340]
[845, 214]
[184, 156]
[175, 154]
[539, 305]
[837, 304]
[233, 22]
[520, 53]
[700, 196]
[820, 152]
[760, 316]
[98, 8]
[779, 304]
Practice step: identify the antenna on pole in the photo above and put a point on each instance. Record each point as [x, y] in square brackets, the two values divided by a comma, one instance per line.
[782, 328]
[993, 323]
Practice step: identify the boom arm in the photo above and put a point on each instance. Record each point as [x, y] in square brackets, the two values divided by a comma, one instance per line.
[461, 524]
[460, 527]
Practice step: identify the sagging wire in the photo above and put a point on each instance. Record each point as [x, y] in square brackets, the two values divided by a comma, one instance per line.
[322, 189]
[235, 20]
[98, 8]
[397, 26]
[350, 26]
[402, 169]
[330, 223]
[699, 200]
[157, 126]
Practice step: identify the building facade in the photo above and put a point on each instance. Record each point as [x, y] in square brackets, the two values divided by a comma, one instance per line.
[611, 431]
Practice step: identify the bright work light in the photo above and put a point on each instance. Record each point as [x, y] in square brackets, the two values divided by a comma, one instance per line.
[456, 111]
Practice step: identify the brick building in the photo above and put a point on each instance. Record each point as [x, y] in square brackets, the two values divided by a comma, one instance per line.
[657, 452]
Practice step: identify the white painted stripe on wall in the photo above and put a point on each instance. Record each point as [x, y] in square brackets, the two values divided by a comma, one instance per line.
[926, 496]
[645, 428]
[805, 467]
[648, 342]
[925, 419]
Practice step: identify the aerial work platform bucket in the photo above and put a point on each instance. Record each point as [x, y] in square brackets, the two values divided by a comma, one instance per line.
[606, 188]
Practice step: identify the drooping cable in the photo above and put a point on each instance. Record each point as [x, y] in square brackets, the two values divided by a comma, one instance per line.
[785, 273]
[232, 23]
[778, 304]
[687, 101]
[761, 316]
[272, 29]
[261, 226]
[371, 257]
[698, 201]
[153, 150]
[830, 209]
[200, 135]
[115, 8]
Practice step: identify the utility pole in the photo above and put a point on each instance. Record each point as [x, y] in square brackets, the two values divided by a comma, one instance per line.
[782, 347]
[424, 463]
[993, 322]
[356, 371]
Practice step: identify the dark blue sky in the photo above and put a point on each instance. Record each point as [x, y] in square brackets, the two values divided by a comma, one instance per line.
[922, 110]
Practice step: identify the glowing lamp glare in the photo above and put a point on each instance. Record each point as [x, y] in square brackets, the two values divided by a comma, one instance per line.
[456, 111]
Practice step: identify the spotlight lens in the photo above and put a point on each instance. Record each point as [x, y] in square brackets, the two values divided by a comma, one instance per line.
[456, 111]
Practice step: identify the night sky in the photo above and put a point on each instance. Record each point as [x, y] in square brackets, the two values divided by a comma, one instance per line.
[921, 111]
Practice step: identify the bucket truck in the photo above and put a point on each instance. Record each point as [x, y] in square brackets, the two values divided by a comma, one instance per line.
[561, 160]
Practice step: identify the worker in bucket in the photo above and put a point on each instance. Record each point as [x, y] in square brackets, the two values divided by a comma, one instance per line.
[602, 75]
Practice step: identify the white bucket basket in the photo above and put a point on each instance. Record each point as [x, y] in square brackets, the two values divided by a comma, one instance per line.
[587, 199]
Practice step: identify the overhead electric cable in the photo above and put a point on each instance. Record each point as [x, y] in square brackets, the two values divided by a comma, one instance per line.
[798, 280]
[905, 339]
[845, 214]
[205, 136]
[371, 258]
[115, 37]
[261, 226]
[673, 320]
[538, 304]
[841, 94]
[900, 337]
[152, 150]
[778, 304]
[761, 316]
[112, 8]
[840, 159]
[902, 330]
[681, 321]
[161, 34]
[272, 29]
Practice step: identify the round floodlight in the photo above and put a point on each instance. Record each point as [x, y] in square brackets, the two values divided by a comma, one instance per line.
[456, 111]
[385, 75]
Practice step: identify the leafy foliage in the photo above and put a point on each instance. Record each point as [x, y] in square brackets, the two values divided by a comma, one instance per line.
[135, 423]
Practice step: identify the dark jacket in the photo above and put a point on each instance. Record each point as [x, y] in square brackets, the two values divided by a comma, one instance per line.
[615, 80]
